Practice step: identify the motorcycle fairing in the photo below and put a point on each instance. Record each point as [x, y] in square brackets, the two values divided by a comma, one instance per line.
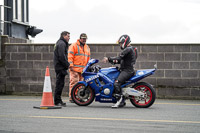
[100, 82]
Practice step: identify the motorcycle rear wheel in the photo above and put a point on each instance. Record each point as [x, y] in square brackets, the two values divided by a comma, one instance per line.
[82, 96]
[148, 99]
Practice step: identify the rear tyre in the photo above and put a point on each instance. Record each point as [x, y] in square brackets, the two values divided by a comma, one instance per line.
[82, 96]
[149, 95]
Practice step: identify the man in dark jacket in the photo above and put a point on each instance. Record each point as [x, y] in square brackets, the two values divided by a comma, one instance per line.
[126, 59]
[61, 66]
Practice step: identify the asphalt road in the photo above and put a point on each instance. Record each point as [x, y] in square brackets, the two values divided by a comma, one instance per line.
[17, 115]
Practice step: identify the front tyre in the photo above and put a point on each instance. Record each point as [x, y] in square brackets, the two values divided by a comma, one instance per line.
[149, 95]
[82, 96]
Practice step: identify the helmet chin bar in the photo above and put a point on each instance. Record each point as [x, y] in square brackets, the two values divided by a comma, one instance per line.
[121, 46]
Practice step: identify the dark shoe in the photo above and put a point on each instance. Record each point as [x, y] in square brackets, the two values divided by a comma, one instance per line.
[61, 104]
[70, 100]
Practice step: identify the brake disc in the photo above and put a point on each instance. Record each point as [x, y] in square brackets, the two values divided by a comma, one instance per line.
[82, 93]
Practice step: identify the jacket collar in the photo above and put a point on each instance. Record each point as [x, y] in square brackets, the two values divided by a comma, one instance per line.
[79, 43]
[61, 38]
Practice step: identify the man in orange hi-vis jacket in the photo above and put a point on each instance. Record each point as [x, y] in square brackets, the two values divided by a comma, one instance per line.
[78, 57]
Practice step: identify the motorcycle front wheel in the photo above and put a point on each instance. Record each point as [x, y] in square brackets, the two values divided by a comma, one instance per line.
[149, 95]
[82, 95]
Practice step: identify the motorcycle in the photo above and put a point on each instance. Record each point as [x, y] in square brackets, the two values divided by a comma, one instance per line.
[98, 84]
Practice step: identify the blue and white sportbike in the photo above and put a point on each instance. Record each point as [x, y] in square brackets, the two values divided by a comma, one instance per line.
[98, 84]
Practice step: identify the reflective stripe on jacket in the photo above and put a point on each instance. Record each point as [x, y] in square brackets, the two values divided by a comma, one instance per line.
[78, 56]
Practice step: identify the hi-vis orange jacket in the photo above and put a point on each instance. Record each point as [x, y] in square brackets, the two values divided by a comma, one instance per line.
[78, 56]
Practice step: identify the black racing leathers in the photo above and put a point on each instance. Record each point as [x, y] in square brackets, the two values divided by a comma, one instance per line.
[126, 59]
[61, 65]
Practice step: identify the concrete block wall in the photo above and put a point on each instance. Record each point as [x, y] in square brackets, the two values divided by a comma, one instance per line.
[178, 74]
[25, 67]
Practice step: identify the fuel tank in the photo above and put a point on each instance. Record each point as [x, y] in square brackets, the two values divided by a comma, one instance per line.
[111, 72]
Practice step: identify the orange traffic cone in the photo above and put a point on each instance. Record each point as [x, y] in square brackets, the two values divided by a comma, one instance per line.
[47, 98]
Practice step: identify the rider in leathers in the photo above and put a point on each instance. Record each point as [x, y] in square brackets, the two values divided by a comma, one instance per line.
[126, 59]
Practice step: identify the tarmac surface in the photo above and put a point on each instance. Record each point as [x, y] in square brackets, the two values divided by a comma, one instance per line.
[17, 115]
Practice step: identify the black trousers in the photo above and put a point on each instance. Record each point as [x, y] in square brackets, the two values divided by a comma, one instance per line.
[60, 82]
[123, 76]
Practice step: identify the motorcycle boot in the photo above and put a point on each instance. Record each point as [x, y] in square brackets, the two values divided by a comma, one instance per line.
[120, 102]
[117, 91]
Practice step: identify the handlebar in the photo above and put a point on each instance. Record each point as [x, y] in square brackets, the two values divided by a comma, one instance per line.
[94, 69]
